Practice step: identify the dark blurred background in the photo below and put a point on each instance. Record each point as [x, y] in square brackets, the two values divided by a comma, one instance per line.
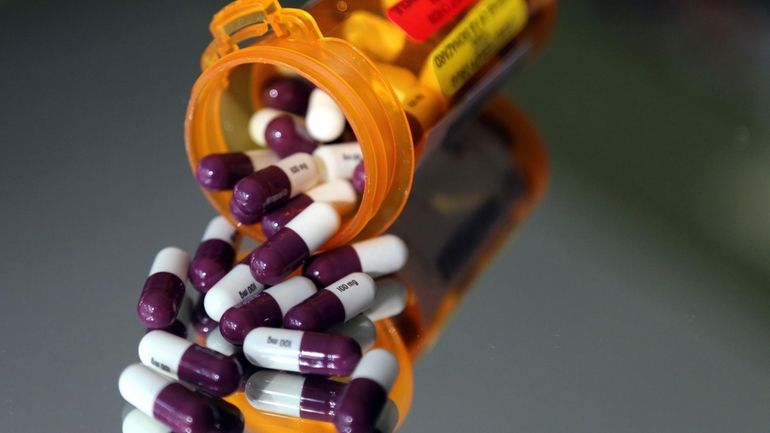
[634, 299]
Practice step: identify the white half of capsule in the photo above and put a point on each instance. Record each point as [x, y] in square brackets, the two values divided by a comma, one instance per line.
[359, 328]
[173, 260]
[275, 392]
[302, 171]
[389, 299]
[338, 193]
[378, 365]
[317, 223]
[219, 228]
[355, 291]
[216, 342]
[261, 158]
[291, 292]
[388, 419]
[324, 120]
[137, 422]
[273, 348]
[163, 351]
[140, 386]
[259, 120]
[338, 161]
[236, 286]
[382, 255]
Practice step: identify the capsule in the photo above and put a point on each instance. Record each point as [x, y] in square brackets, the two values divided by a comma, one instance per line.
[214, 256]
[359, 178]
[335, 304]
[207, 369]
[286, 135]
[301, 351]
[377, 256]
[287, 249]
[164, 289]
[137, 422]
[338, 161]
[295, 395]
[366, 393]
[390, 299]
[338, 193]
[289, 94]
[258, 123]
[178, 407]
[324, 119]
[265, 309]
[234, 287]
[273, 186]
[221, 171]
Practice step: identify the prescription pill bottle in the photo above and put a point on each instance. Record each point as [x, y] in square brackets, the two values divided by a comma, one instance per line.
[403, 85]
[455, 222]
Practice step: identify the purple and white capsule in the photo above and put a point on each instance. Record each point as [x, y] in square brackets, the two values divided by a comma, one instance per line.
[335, 304]
[287, 249]
[289, 94]
[214, 256]
[207, 369]
[164, 289]
[286, 135]
[236, 286]
[265, 309]
[259, 120]
[137, 422]
[359, 178]
[175, 405]
[302, 352]
[377, 256]
[338, 193]
[221, 171]
[290, 394]
[338, 161]
[325, 121]
[366, 393]
[273, 186]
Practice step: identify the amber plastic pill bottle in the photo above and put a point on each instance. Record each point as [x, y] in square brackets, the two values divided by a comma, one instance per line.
[384, 81]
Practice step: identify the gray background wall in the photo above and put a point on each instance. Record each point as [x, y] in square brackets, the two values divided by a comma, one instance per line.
[635, 299]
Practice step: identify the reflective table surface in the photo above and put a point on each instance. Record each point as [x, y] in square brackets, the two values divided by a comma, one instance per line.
[633, 299]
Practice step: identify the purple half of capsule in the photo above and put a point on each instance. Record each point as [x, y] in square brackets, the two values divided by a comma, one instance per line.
[192, 412]
[238, 321]
[177, 328]
[328, 354]
[278, 257]
[260, 192]
[221, 171]
[287, 94]
[360, 406]
[285, 136]
[319, 398]
[316, 313]
[209, 370]
[359, 178]
[274, 221]
[160, 300]
[213, 259]
[328, 267]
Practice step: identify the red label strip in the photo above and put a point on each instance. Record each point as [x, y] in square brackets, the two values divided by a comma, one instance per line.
[421, 19]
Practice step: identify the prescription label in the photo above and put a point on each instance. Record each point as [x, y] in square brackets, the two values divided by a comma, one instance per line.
[421, 19]
[483, 32]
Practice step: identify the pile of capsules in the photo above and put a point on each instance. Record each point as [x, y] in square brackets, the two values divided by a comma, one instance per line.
[284, 339]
